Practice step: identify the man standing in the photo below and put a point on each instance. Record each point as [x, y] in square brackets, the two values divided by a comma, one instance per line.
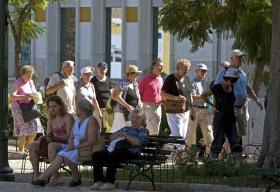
[150, 88]
[62, 84]
[203, 116]
[103, 89]
[242, 90]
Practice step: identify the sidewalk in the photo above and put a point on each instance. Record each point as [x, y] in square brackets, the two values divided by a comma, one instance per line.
[22, 182]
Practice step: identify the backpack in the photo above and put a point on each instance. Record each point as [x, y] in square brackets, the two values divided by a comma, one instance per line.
[46, 82]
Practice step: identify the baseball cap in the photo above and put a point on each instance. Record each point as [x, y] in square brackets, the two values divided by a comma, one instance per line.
[103, 64]
[225, 64]
[132, 69]
[86, 70]
[237, 52]
[232, 72]
[201, 66]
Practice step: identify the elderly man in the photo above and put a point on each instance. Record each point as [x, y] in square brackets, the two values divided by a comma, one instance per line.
[203, 116]
[62, 84]
[150, 87]
[242, 90]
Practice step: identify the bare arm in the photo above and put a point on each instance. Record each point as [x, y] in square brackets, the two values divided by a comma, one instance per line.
[16, 96]
[56, 87]
[92, 132]
[96, 106]
[206, 94]
[253, 95]
[119, 99]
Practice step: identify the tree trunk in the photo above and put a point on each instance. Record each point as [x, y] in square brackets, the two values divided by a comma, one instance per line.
[257, 77]
[270, 154]
[17, 56]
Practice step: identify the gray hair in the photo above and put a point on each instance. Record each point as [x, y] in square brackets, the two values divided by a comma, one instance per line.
[86, 106]
[68, 62]
[140, 114]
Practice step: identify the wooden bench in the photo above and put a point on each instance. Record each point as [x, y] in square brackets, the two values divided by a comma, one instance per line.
[270, 174]
[152, 155]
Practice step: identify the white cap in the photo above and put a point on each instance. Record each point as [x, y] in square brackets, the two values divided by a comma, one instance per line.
[232, 72]
[225, 64]
[237, 52]
[201, 66]
[86, 70]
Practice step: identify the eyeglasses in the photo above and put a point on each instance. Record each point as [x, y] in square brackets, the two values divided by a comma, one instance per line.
[231, 79]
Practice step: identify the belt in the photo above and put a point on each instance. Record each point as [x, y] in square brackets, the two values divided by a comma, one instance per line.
[200, 107]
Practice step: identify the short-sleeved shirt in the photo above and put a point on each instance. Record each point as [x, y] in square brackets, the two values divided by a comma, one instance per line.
[67, 94]
[84, 92]
[198, 87]
[150, 87]
[224, 100]
[140, 133]
[102, 90]
[240, 87]
[123, 86]
[170, 86]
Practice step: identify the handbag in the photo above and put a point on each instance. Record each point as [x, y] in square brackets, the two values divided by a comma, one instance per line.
[175, 106]
[85, 153]
[43, 146]
[29, 111]
[122, 145]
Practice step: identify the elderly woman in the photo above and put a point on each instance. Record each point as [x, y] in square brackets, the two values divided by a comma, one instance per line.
[127, 96]
[131, 138]
[58, 131]
[85, 126]
[23, 91]
[85, 89]
[224, 122]
[177, 87]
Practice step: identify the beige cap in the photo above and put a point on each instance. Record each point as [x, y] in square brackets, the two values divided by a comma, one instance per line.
[237, 52]
[132, 69]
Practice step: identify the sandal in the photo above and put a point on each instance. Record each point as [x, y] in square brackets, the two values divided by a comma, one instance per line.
[55, 183]
[75, 183]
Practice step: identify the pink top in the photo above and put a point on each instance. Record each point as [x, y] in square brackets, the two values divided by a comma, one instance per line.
[24, 88]
[150, 87]
[60, 130]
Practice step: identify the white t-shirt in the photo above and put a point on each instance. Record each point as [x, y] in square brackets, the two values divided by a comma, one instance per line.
[67, 94]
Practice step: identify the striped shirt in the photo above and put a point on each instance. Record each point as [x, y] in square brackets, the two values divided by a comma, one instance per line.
[224, 100]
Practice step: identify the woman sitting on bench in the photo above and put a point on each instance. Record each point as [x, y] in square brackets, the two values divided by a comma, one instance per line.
[59, 127]
[125, 144]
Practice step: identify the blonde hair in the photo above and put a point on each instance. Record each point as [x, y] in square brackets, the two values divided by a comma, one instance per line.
[183, 63]
[26, 69]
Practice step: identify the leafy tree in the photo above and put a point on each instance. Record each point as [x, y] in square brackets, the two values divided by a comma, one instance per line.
[23, 27]
[270, 155]
[247, 21]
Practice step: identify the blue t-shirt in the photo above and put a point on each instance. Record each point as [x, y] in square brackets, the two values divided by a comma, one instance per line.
[240, 87]
[140, 133]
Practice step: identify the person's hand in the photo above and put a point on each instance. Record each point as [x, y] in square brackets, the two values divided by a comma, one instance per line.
[100, 114]
[29, 96]
[129, 108]
[181, 98]
[62, 83]
[192, 115]
[259, 104]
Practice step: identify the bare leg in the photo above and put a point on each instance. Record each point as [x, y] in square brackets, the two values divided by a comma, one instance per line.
[53, 148]
[53, 168]
[74, 169]
[34, 159]
[21, 143]
[29, 139]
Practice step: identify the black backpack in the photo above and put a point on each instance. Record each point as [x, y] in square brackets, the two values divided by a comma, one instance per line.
[46, 82]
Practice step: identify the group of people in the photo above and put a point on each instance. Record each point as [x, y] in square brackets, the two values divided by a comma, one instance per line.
[77, 110]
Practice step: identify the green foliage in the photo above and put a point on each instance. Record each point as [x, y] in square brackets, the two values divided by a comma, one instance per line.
[248, 22]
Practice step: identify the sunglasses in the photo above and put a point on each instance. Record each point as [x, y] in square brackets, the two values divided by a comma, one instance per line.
[231, 79]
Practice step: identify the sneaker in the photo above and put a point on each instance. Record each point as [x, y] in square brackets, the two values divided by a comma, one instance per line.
[96, 185]
[107, 186]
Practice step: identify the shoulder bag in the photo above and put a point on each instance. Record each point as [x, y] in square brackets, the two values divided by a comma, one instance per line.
[175, 106]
